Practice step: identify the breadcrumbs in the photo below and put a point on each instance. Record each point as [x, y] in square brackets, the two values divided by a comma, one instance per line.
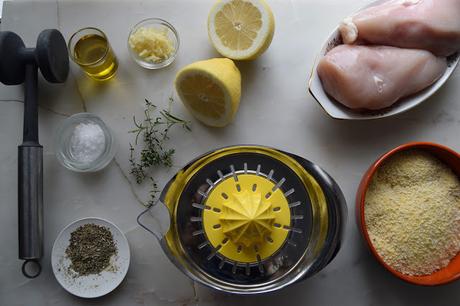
[412, 213]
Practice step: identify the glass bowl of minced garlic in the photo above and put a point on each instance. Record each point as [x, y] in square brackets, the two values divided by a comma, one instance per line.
[408, 210]
[153, 43]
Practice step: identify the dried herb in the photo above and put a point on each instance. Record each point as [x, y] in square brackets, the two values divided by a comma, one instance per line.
[152, 136]
[90, 249]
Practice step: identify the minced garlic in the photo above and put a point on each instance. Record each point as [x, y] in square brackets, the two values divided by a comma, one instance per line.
[412, 213]
[151, 44]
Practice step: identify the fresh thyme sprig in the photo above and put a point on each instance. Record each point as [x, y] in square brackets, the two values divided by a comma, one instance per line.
[153, 131]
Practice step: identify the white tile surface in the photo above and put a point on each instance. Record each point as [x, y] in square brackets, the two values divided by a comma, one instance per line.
[276, 110]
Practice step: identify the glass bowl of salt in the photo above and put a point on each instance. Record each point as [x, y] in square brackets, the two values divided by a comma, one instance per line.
[84, 143]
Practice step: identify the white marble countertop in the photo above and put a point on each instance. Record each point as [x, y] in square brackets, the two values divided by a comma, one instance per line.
[275, 110]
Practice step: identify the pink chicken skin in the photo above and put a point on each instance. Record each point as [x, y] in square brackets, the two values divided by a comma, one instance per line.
[432, 25]
[375, 77]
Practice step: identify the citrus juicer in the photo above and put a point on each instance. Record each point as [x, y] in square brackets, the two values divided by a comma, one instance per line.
[18, 65]
[249, 219]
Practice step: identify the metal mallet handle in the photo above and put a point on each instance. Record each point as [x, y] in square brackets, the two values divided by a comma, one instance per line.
[30, 178]
[30, 202]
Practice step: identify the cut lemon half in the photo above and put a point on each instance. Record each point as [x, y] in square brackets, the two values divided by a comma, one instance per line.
[241, 29]
[210, 90]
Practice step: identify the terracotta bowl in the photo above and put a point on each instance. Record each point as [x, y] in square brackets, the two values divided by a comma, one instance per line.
[450, 158]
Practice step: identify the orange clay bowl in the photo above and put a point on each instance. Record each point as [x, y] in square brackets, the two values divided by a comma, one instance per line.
[450, 158]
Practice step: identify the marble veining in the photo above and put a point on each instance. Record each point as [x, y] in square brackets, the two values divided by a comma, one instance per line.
[276, 110]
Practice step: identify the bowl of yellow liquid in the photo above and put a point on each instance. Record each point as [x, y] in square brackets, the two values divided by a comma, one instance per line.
[91, 50]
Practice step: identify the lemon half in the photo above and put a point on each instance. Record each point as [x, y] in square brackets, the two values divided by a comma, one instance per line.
[241, 29]
[210, 90]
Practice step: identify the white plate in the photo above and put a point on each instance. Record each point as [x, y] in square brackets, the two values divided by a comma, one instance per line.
[90, 286]
[337, 111]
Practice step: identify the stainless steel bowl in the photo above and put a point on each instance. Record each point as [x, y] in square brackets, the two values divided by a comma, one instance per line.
[200, 238]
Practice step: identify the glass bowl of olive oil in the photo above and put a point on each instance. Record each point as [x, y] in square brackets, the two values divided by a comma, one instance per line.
[153, 43]
[91, 50]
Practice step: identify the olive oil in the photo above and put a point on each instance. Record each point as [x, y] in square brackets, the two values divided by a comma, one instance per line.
[90, 48]
[95, 56]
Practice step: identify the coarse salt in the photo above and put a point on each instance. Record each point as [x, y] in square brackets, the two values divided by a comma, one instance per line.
[87, 142]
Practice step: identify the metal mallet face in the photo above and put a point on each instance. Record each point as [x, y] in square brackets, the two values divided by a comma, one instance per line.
[50, 56]
[18, 65]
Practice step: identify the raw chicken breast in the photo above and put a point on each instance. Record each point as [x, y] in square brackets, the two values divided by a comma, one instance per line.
[432, 25]
[374, 77]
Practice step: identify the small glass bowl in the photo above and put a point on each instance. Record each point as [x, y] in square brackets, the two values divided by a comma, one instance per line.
[157, 23]
[63, 144]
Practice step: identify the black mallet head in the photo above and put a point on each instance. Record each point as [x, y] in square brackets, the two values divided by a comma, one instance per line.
[50, 55]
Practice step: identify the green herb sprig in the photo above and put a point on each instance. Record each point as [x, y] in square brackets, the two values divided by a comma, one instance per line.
[153, 131]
